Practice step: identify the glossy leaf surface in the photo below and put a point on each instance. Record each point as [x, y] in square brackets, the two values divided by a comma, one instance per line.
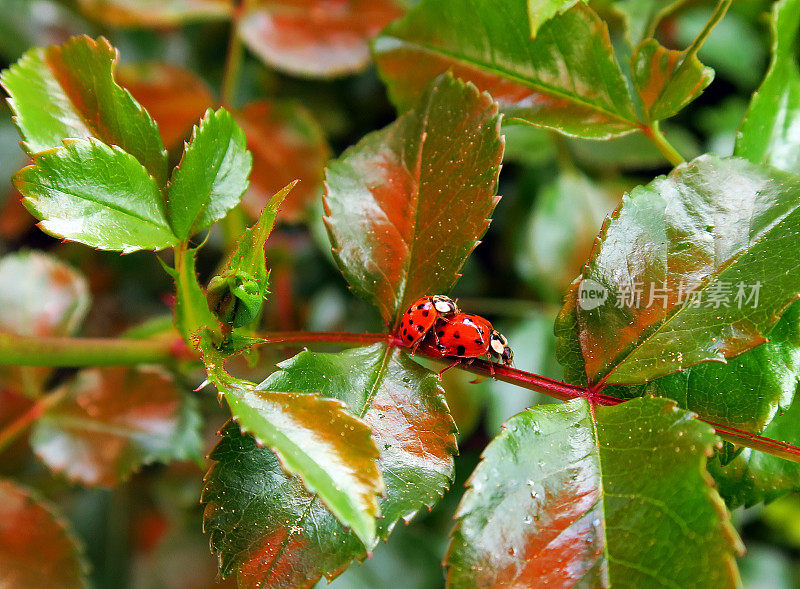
[566, 79]
[315, 439]
[155, 13]
[175, 97]
[407, 204]
[770, 132]
[747, 392]
[287, 538]
[100, 196]
[287, 144]
[681, 266]
[316, 38]
[211, 177]
[614, 496]
[37, 550]
[666, 79]
[113, 421]
[69, 91]
[755, 477]
[540, 11]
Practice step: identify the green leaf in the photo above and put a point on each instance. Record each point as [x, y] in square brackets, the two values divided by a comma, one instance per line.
[540, 11]
[212, 175]
[155, 13]
[88, 192]
[37, 549]
[559, 233]
[266, 525]
[192, 313]
[681, 267]
[407, 205]
[746, 392]
[237, 293]
[311, 40]
[566, 79]
[315, 438]
[604, 496]
[69, 91]
[755, 477]
[770, 132]
[115, 420]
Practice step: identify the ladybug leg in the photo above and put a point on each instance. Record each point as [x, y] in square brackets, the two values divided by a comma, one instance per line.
[491, 365]
[446, 368]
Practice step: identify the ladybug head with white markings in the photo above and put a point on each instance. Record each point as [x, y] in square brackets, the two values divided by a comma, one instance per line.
[498, 344]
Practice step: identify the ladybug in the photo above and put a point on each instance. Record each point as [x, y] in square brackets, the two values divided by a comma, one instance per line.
[467, 336]
[422, 315]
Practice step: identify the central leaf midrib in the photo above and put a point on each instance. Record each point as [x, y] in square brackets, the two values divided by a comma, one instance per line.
[678, 309]
[502, 73]
[114, 207]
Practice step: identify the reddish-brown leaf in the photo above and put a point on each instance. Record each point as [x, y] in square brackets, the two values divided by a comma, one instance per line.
[155, 13]
[287, 144]
[319, 38]
[175, 97]
[37, 551]
[408, 204]
[114, 420]
[39, 296]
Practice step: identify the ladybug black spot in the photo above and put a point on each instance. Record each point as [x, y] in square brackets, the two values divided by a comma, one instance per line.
[420, 306]
[440, 333]
[479, 342]
[411, 322]
[457, 335]
[460, 350]
[425, 313]
[420, 328]
[408, 337]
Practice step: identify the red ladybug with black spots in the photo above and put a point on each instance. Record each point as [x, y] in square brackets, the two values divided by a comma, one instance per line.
[421, 316]
[467, 336]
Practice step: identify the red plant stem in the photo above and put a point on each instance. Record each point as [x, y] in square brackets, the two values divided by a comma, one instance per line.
[566, 392]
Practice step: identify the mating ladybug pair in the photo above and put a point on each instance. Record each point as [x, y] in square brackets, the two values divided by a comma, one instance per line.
[437, 326]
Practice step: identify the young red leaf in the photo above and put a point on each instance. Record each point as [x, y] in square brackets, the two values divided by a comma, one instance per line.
[667, 80]
[113, 421]
[155, 13]
[287, 144]
[570, 494]
[678, 277]
[567, 78]
[39, 296]
[407, 205]
[268, 528]
[316, 39]
[175, 97]
[37, 549]
[69, 91]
